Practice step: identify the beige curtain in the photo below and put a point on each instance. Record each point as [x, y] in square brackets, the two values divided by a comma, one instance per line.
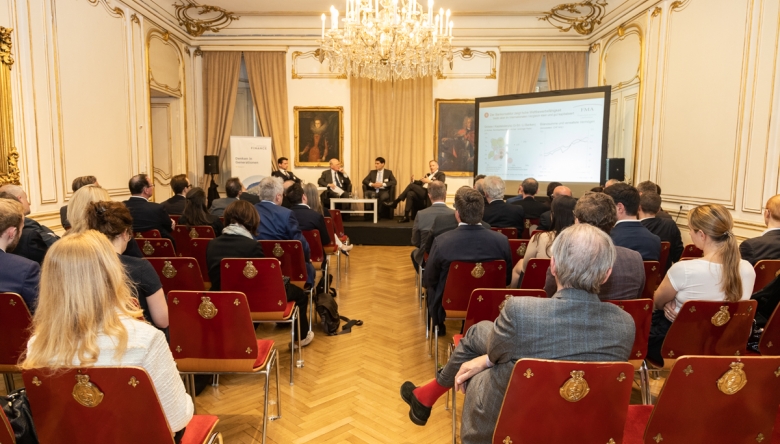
[268, 83]
[566, 70]
[393, 120]
[518, 72]
[220, 87]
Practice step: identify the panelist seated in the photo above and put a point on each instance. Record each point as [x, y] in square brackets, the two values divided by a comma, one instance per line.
[629, 231]
[766, 246]
[283, 163]
[380, 185]
[582, 258]
[497, 212]
[415, 194]
[337, 182]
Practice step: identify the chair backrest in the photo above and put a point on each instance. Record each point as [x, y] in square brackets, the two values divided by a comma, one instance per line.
[178, 273]
[769, 344]
[664, 257]
[653, 270]
[518, 247]
[175, 217]
[766, 272]
[260, 280]
[290, 254]
[717, 399]
[509, 232]
[641, 310]
[197, 248]
[464, 277]
[182, 235]
[338, 222]
[690, 251]
[15, 319]
[331, 248]
[535, 273]
[709, 328]
[150, 234]
[592, 396]
[155, 247]
[211, 331]
[485, 303]
[529, 223]
[6, 432]
[316, 252]
[94, 404]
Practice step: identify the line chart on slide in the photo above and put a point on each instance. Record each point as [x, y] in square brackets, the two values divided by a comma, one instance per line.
[583, 142]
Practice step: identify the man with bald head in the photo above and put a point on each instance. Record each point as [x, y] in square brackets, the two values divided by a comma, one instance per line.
[766, 246]
[532, 207]
[337, 182]
[545, 220]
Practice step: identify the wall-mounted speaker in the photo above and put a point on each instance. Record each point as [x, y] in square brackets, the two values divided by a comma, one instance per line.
[211, 164]
[616, 169]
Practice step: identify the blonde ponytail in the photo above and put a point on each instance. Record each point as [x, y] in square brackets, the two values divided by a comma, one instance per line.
[716, 222]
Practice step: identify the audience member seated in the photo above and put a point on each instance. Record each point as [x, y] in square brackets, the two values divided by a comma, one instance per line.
[285, 186]
[479, 185]
[147, 215]
[720, 275]
[545, 223]
[627, 280]
[540, 244]
[532, 207]
[482, 363]
[766, 246]
[598, 189]
[36, 238]
[497, 212]
[233, 189]
[283, 164]
[114, 221]
[76, 185]
[666, 229]
[651, 187]
[180, 186]
[337, 182]
[17, 274]
[611, 182]
[444, 223]
[313, 201]
[195, 212]
[87, 317]
[423, 223]
[628, 231]
[251, 195]
[415, 193]
[308, 219]
[470, 242]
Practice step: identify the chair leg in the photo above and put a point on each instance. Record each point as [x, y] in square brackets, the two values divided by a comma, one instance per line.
[292, 342]
[278, 398]
[190, 387]
[215, 380]
[427, 326]
[454, 416]
[311, 304]
[265, 403]
[644, 380]
[435, 339]
[299, 364]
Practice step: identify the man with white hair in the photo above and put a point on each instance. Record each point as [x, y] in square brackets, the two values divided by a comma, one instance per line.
[582, 260]
[36, 238]
[497, 212]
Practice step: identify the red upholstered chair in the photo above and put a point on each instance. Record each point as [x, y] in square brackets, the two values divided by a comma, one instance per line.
[766, 272]
[261, 281]
[317, 252]
[104, 404]
[653, 272]
[518, 248]
[769, 344]
[178, 273]
[197, 249]
[690, 251]
[664, 258]
[212, 333]
[333, 249]
[338, 224]
[290, 254]
[149, 234]
[535, 274]
[15, 320]
[530, 225]
[641, 310]
[155, 247]
[510, 233]
[175, 217]
[710, 399]
[6, 432]
[590, 397]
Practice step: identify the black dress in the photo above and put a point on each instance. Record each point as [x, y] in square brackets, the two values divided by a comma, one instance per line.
[144, 279]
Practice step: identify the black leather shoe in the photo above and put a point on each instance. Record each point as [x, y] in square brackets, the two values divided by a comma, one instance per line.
[418, 413]
[442, 330]
[404, 220]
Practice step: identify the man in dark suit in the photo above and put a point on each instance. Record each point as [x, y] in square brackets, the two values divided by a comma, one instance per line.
[499, 213]
[17, 274]
[252, 195]
[308, 219]
[651, 187]
[282, 172]
[545, 220]
[766, 246]
[147, 215]
[180, 186]
[36, 238]
[666, 229]
[533, 208]
[628, 273]
[582, 258]
[415, 194]
[75, 186]
[469, 242]
[380, 185]
[233, 189]
[628, 231]
[423, 223]
[335, 179]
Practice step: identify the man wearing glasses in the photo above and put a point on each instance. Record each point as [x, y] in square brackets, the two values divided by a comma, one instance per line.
[147, 215]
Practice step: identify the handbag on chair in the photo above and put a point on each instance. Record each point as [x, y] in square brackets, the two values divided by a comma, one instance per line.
[16, 408]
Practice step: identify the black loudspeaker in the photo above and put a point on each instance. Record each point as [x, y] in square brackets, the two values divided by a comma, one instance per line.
[211, 164]
[616, 169]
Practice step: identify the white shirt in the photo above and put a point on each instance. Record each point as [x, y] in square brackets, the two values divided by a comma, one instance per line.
[626, 220]
[700, 280]
[140, 197]
[379, 175]
[430, 176]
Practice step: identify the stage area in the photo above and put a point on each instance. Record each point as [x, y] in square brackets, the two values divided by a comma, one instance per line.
[384, 232]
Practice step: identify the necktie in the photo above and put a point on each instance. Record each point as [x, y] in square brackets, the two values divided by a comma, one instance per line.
[336, 179]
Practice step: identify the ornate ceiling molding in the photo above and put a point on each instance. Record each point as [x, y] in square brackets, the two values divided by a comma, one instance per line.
[568, 16]
[468, 54]
[215, 19]
[298, 72]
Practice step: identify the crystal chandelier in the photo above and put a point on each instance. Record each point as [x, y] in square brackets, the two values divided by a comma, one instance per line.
[384, 40]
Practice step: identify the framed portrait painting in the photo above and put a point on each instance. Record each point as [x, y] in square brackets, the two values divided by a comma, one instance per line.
[455, 136]
[319, 135]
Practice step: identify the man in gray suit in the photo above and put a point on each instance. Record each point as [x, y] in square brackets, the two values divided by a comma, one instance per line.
[423, 223]
[582, 259]
[233, 189]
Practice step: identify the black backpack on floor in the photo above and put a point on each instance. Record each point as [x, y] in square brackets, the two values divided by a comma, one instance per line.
[328, 310]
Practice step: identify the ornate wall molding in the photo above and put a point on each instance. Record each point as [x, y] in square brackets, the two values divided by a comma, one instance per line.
[620, 34]
[116, 11]
[298, 71]
[568, 16]
[467, 55]
[215, 19]
[9, 166]
[160, 86]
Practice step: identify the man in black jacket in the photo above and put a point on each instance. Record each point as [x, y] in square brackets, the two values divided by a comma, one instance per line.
[766, 246]
[380, 185]
[283, 163]
[416, 194]
[533, 208]
[337, 182]
[308, 219]
[147, 215]
[545, 220]
[36, 238]
[180, 186]
[499, 213]
[666, 229]
[628, 231]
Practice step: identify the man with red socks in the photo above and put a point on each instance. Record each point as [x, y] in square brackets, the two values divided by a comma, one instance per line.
[582, 259]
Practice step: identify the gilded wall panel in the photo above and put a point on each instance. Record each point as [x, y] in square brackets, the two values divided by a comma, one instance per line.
[164, 66]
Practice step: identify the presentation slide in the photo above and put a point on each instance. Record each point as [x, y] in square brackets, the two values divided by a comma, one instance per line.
[558, 137]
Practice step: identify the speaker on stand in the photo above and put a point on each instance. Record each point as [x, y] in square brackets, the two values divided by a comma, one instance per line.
[211, 167]
[616, 168]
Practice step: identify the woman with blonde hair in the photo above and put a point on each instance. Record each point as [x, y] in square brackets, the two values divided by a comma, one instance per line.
[720, 275]
[87, 316]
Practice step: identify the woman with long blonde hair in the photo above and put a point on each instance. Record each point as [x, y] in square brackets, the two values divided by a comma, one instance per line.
[720, 275]
[87, 316]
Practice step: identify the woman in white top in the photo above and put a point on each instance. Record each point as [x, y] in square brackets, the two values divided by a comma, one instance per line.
[562, 215]
[720, 275]
[87, 316]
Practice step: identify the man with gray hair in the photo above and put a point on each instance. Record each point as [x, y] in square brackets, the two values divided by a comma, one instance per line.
[36, 238]
[423, 223]
[498, 213]
[482, 363]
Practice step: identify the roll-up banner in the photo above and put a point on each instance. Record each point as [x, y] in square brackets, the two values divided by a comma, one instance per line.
[250, 159]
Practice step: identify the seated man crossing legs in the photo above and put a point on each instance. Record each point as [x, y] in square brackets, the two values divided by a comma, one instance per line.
[416, 192]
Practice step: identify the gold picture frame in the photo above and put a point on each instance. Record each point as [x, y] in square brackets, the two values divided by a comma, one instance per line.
[9, 156]
[319, 135]
[454, 136]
